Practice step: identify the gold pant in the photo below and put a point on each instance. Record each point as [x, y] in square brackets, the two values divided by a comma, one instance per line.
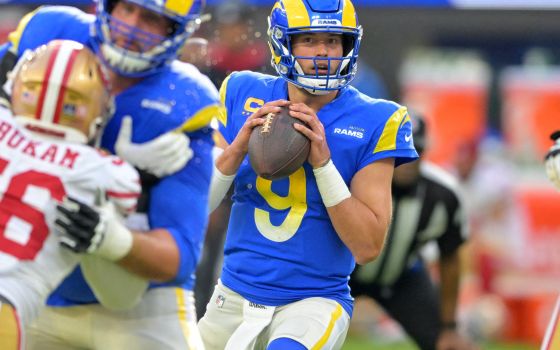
[9, 328]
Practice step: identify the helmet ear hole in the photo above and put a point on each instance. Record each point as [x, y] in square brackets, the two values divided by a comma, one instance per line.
[174, 27]
[347, 44]
[111, 5]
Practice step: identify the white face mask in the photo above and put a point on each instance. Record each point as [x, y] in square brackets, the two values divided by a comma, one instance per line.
[312, 85]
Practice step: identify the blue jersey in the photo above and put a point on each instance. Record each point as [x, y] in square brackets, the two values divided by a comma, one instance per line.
[178, 96]
[281, 246]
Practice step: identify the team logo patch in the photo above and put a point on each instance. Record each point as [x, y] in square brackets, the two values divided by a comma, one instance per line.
[69, 109]
[29, 98]
[350, 131]
[220, 300]
[326, 22]
[256, 306]
[163, 107]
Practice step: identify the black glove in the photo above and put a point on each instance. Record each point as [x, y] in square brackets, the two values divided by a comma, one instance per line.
[79, 226]
[552, 160]
[83, 229]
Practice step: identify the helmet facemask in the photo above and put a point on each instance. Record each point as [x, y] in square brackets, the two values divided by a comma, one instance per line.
[317, 83]
[142, 53]
[286, 63]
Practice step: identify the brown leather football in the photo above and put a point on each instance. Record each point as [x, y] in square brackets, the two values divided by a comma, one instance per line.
[276, 148]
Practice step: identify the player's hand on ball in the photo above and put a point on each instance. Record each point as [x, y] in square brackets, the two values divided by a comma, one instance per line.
[83, 229]
[276, 149]
[552, 160]
[164, 155]
[241, 142]
[320, 153]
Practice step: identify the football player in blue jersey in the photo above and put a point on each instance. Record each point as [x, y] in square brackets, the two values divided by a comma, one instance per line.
[155, 95]
[292, 243]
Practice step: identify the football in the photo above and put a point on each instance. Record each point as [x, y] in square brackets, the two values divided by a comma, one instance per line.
[276, 148]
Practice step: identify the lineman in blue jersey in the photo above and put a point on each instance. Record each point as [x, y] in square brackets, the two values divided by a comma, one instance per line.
[292, 243]
[155, 94]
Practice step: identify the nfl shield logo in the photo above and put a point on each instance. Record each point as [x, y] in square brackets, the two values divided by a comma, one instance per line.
[220, 301]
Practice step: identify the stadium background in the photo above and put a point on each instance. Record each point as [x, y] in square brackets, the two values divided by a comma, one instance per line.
[486, 75]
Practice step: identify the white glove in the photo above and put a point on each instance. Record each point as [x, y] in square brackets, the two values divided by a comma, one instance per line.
[161, 156]
[552, 160]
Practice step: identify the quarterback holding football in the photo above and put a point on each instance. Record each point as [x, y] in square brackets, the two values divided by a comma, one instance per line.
[293, 241]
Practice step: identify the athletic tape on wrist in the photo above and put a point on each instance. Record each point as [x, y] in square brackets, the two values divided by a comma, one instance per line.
[331, 185]
[117, 242]
[219, 186]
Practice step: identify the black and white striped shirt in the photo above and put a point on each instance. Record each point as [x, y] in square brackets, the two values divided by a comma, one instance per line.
[429, 211]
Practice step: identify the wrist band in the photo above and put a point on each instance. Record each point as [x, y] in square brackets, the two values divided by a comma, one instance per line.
[331, 185]
[117, 241]
[219, 186]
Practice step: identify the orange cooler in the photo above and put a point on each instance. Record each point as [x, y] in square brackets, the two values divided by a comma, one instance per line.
[531, 110]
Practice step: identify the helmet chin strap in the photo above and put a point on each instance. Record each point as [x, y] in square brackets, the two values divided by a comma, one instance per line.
[312, 91]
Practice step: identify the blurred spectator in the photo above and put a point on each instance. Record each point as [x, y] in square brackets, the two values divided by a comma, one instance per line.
[235, 45]
[485, 172]
[195, 51]
[487, 185]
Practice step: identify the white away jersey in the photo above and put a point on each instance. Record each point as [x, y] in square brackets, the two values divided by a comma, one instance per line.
[34, 175]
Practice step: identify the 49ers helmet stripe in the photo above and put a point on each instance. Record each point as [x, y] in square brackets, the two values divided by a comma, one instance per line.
[58, 70]
[62, 91]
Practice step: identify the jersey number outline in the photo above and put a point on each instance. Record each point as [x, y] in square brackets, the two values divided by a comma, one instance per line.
[295, 200]
[12, 205]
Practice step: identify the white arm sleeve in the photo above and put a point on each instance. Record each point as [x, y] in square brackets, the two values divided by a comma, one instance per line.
[220, 183]
[116, 288]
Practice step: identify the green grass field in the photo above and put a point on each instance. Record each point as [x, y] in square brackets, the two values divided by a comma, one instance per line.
[358, 343]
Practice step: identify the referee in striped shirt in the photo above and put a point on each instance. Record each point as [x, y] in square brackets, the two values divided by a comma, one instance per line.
[426, 208]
